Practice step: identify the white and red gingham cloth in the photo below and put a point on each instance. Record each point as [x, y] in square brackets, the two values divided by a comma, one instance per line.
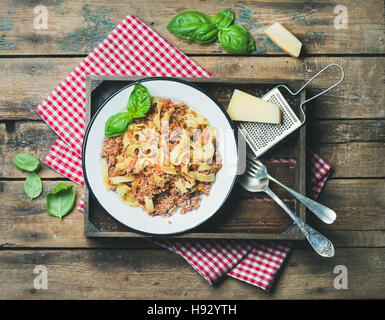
[134, 49]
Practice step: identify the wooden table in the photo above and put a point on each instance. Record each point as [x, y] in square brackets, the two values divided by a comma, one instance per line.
[346, 127]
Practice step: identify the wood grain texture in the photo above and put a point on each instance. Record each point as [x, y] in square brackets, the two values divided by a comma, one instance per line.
[343, 131]
[158, 274]
[352, 160]
[359, 205]
[360, 96]
[76, 27]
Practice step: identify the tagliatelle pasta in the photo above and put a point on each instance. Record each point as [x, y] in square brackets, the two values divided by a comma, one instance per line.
[164, 161]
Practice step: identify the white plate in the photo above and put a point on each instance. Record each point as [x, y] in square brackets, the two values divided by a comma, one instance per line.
[177, 91]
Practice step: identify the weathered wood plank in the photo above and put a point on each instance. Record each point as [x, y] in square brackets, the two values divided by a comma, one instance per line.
[350, 159]
[361, 95]
[359, 204]
[26, 83]
[24, 223]
[355, 239]
[342, 131]
[111, 274]
[35, 138]
[76, 28]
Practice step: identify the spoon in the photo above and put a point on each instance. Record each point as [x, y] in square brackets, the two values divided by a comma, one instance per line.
[258, 169]
[320, 243]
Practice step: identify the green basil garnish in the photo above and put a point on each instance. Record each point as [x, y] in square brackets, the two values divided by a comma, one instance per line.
[117, 124]
[60, 200]
[137, 106]
[236, 39]
[200, 28]
[139, 102]
[193, 25]
[26, 162]
[33, 186]
[223, 19]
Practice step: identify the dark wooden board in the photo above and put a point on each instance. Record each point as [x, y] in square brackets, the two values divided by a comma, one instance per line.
[245, 215]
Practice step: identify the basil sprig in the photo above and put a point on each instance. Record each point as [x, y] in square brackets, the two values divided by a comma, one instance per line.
[32, 185]
[60, 200]
[137, 106]
[199, 27]
[193, 25]
[139, 102]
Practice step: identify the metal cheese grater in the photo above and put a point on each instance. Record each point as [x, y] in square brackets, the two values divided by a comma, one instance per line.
[262, 136]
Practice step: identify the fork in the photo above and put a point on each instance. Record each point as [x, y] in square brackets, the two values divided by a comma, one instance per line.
[258, 169]
[253, 183]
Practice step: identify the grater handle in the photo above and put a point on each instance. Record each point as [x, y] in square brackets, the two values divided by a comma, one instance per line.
[319, 94]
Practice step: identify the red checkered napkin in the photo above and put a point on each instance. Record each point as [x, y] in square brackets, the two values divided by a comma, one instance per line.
[250, 261]
[319, 171]
[134, 49]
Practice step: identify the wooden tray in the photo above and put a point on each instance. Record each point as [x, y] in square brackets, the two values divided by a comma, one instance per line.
[245, 215]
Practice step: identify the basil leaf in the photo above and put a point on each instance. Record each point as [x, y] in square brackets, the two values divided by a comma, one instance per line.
[60, 200]
[193, 25]
[236, 39]
[139, 102]
[223, 19]
[117, 124]
[26, 162]
[33, 186]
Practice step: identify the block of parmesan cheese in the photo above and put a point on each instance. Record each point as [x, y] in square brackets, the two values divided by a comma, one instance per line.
[245, 107]
[284, 39]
